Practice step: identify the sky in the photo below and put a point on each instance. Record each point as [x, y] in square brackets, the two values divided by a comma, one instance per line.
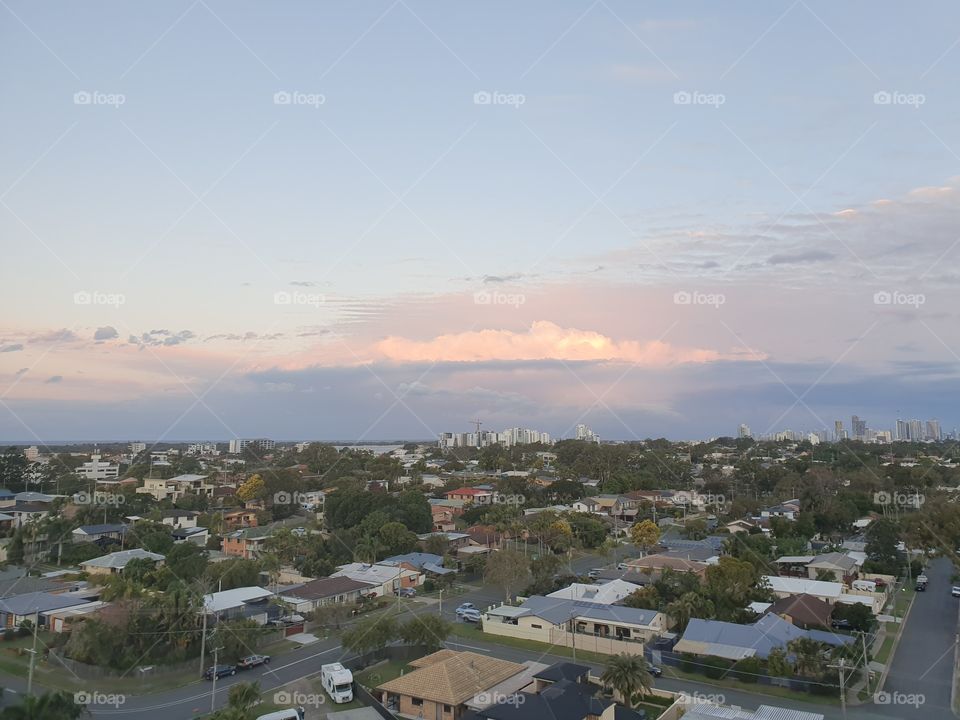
[380, 220]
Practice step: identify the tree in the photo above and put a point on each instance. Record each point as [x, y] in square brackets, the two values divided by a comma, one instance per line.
[542, 570]
[690, 605]
[253, 488]
[56, 705]
[396, 539]
[430, 631]
[244, 696]
[629, 675]
[509, 570]
[778, 664]
[809, 656]
[371, 635]
[436, 545]
[882, 554]
[645, 534]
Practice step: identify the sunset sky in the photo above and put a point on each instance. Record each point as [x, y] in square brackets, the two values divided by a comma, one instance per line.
[378, 220]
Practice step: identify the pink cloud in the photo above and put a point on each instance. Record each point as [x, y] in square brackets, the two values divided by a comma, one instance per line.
[544, 340]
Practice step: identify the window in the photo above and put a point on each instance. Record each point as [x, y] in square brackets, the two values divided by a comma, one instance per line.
[447, 708]
[417, 702]
[536, 627]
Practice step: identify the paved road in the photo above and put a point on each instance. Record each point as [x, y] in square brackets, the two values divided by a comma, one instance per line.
[923, 664]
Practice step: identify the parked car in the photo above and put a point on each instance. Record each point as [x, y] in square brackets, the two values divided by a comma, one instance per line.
[251, 661]
[470, 616]
[594, 574]
[407, 592]
[920, 587]
[292, 619]
[219, 671]
[840, 624]
[955, 591]
[656, 670]
[465, 606]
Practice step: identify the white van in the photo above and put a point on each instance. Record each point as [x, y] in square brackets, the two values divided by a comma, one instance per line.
[337, 681]
[288, 714]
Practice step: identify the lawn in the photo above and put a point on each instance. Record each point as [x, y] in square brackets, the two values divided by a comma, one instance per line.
[467, 631]
[379, 674]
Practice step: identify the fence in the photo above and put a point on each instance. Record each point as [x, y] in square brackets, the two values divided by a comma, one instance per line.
[701, 665]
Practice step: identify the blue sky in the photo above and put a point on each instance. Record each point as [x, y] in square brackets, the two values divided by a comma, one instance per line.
[148, 159]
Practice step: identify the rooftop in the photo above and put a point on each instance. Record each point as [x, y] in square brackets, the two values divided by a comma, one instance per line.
[118, 560]
[454, 678]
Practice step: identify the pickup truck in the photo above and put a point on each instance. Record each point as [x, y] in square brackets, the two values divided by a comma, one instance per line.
[251, 661]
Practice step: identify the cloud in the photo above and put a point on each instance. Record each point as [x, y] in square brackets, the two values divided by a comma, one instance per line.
[162, 336]
[57, 336]
[106, 333]
[543, 341]
[22, 371]
[807, 256]
[53, 379]
[16, 347]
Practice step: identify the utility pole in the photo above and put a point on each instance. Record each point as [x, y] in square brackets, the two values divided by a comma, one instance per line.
[441, 601]
[33, 653]
[843, 693]
[866, 660]
[213, 691]
[203, 640]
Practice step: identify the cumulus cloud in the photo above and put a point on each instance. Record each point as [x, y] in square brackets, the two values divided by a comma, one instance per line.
[106, 333]
[544, 340]
[16, 347]
[161, 337]
[57, 336]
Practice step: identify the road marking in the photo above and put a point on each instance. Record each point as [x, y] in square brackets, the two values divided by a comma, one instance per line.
[472, 647]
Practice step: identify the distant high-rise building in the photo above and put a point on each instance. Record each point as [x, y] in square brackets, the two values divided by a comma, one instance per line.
[933, 430]
[238, 445]
[916, 431]
[902, 431]
[838, 432]
[583, 432]
[744, 431]
[31, 453]
[137, 447]
[858, 428]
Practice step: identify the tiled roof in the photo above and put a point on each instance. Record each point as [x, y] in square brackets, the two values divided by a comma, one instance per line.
[454, 679]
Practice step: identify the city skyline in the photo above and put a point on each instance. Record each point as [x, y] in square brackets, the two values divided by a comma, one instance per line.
[363, 223]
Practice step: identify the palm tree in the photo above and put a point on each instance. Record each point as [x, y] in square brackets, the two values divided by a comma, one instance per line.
[628, 675]
[49, 706]
[808, 655]
[244, 696]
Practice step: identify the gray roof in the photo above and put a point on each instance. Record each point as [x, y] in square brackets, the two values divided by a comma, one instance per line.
[119, 560]
[560, 610]
[101, 529]
[705, 711]
[767, 633]
[29, 603]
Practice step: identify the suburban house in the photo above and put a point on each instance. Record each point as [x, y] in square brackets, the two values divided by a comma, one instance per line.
[477, 496]
[739, 526]
[621, 507]
[658, 562]
[455, 540]
[176, 487]
[115, 562]
[247, 543]
[443, 518]
[196, 535]
[443, 682]
[576, 623]
[843, 568]
[804, 611]
[562, 693]
[453, 506]
[242, 518]
[829, 592]
[34, 606]
[27, 513]
[424, 562]
[711, 711]
[111, 532]
[789, 510]
[325, 591]
[606, 594]
[178, 519]
[736, 642]
[251, 603]
[384, 579]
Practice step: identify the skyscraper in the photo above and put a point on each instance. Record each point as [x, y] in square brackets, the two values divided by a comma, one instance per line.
[744, 431]
[838, 432]
[858, 428]
[933, 430]
[916, 430]
[903, 430]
